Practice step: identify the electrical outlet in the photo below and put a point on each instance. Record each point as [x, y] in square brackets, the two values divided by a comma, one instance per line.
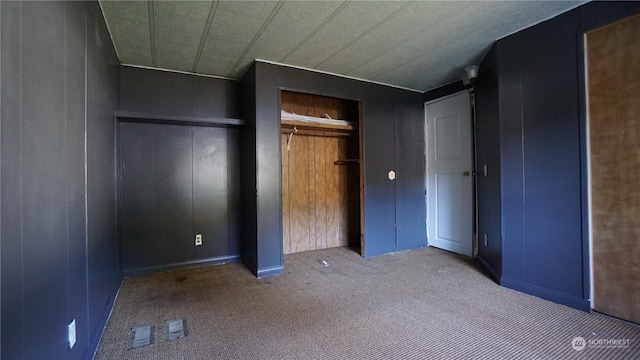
[486, 240]
[198, 239]
[71, 333]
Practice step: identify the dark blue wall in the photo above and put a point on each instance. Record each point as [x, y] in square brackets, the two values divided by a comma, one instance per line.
[487, 130]
[248, 171]
[177, 181]
[58, 242]
[531, 86]
[444, 90]
[160, 214]
[393, 133]
[542, 224]
[165, 93]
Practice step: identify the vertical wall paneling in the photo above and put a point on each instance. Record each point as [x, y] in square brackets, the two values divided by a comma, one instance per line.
[193, 166]
[176, 182]
[487, 129]
[311, 144]
[541, 190]
[212, 180]
[511, 159]
[167, 207]
[286, 204]
[104, 268]
[539, 104]
[410, 178]
[613, 57]
[552, 196]
[75, 111]
[322, 203]
[379, 191]
[299, 219]
[11, 251]
[59, 245]
[248, 168]
[332, 192]
[265, 162]
[320, 199]
[164, 93]
[44, 240]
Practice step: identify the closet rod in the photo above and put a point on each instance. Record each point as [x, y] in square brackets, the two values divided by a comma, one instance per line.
[347, 162]
[317, 133]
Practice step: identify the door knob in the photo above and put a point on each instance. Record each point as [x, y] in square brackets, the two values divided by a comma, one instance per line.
[466, 173]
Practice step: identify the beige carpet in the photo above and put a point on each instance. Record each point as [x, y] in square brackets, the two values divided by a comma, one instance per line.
[421, 304]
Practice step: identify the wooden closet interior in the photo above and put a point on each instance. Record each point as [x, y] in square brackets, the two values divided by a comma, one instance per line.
[321, 173]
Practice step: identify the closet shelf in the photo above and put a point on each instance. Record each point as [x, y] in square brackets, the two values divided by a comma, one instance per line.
[133, 116]
[320, 129]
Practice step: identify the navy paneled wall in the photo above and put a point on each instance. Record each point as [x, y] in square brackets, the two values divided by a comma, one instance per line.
[531, 92]
[410, 166]
[173, 94]
[248, 171]
[487, 128]
[177, 179]
[392, 122]
[58, 241]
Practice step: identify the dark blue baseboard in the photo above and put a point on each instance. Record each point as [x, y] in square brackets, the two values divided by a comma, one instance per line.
[556, 297]
[183, 265]
[263, 272]
[270, 271]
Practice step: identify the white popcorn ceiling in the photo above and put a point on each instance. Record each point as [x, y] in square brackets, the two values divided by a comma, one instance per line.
[417, 45]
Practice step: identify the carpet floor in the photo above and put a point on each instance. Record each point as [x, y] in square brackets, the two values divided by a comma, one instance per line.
[421, 304]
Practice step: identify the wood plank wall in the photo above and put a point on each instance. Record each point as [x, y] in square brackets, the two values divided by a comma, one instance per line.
[319, 202]
[613, 58]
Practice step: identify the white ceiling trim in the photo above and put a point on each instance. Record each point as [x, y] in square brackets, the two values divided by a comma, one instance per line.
[338, 75]
[179, 72]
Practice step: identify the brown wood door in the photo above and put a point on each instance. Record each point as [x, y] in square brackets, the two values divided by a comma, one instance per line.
[613, 68]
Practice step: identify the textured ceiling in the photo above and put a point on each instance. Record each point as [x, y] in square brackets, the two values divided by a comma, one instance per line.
[417, 45]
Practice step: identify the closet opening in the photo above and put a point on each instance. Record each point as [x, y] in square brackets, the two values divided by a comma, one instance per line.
[322, 188]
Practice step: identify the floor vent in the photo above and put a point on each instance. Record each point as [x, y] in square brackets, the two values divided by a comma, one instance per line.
[141, 336]
[175, 329]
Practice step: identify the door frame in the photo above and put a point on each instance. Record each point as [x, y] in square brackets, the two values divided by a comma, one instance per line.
[474, 196]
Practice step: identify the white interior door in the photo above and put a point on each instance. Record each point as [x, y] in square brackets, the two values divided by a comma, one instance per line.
[449, 174]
